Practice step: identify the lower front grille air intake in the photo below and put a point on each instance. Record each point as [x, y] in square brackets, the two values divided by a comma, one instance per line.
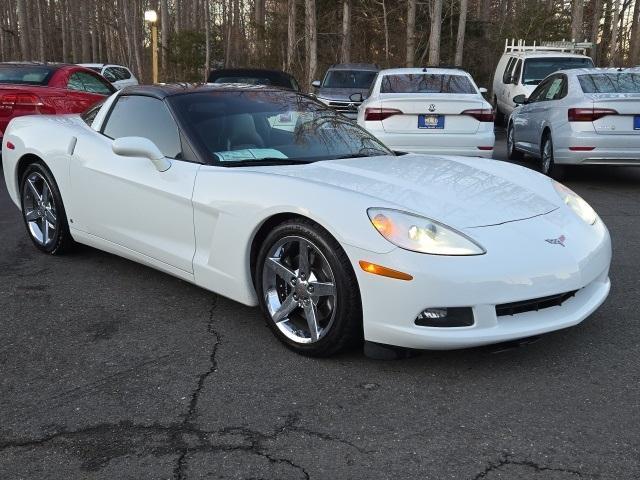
[534, 304]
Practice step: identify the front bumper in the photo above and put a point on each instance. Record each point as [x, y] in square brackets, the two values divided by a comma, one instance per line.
[511, 271]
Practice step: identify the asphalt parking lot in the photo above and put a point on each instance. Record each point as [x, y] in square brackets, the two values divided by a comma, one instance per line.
[111, 370]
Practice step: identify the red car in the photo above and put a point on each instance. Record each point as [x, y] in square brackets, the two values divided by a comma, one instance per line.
[48, 88]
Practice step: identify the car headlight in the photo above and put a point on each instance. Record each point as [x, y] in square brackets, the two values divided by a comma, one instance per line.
[420, 234]
[576, 203]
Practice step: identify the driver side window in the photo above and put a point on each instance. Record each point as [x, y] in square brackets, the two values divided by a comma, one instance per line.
[540, 92]
[147, 117]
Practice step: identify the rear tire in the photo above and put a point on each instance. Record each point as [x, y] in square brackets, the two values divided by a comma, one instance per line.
[313, 305]
[43, 212]
[548, 166]
[512, 152]
[500, 118]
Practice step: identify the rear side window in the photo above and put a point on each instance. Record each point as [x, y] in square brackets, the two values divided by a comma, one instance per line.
[506, 76]
[123, 73]
[516, 71]
[610, 83]
[90, 115]
[25, 75]
[137, 116]
[85, 82]
[426, 83]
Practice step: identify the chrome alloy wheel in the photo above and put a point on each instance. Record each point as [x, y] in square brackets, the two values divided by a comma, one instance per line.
[547, 156]
[299, 289]
[39, 209]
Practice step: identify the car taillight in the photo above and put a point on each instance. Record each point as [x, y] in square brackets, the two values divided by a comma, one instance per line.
[481, 114]
[379, 114]
[23, 103]
[589, 114]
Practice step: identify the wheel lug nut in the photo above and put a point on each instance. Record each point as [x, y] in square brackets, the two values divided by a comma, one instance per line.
[310, 288]
[295, 296]
[293, 281]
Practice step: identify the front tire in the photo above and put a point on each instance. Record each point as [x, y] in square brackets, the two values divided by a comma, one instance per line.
[547, 162]
[43, 212]
[307, 290]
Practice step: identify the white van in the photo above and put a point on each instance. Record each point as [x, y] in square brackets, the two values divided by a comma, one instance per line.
[522, 67]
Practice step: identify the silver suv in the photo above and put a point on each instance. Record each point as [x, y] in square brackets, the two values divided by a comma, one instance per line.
[345, 86]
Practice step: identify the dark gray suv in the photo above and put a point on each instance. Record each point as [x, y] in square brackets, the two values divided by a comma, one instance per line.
[341, 82]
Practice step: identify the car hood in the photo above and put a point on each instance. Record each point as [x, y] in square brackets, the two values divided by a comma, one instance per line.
[340, 94]
[463, 192]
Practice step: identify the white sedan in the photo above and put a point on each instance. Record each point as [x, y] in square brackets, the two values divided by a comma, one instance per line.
[587, 116]
[269, 198]
[429, 110]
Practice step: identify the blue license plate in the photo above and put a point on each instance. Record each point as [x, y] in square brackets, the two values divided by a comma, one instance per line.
[430, 121]
[636, 122]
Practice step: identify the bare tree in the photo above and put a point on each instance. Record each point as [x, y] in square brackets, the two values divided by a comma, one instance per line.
[260, 18]
[411, 33]
[165, 31]
[462, 26]
[634, 54]
[613, 44]
[434, 36]
[345, 46]
[311, 40]
[577, 12]
[23, 29]
[291, 33]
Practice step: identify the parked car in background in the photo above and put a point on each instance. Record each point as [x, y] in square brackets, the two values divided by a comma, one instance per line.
[254, 76]
[429, 110]
[522, 67]
[118, 75]
[579, 117]
[341, 82]
[48, 88]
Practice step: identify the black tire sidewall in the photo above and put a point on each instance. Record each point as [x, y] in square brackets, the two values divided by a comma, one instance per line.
[347, 325]
[62, 235]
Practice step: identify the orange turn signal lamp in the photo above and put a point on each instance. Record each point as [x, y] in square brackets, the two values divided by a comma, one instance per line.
[384, 271]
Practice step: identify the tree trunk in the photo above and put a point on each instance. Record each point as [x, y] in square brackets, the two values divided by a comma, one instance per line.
[165, 31]
[634, 53]
[311, 41]
[207, 36]
[41, 53]
[462, 26]
[291, 34]
[23, 33]
[345, 47]
[595, 28]
[84, 33]
[577, 34]
[434, 36]
[411, 33]
[615, 28]
[260, 18]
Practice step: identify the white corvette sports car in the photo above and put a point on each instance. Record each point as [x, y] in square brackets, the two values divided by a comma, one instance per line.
[267, 197]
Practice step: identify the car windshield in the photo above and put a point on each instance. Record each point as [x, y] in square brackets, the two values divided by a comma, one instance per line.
[536, 69]
[27, 75]
[610, 82]
[360, 79]
[426, 83]
[270, 127]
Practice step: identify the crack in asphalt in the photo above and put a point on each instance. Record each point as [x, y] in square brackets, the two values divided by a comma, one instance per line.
[101, 443]
[178, 472]
[507, 460]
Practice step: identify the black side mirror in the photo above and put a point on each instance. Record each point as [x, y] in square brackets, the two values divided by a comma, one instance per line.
[520, 99]
[356, 97]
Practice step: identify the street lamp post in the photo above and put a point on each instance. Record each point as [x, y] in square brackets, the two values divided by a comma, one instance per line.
[151, 17]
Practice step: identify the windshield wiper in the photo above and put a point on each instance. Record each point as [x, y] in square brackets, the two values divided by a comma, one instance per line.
[357, 155]
[263, 162]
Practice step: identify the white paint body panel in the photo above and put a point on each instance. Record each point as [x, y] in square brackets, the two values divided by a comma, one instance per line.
[197, 222]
